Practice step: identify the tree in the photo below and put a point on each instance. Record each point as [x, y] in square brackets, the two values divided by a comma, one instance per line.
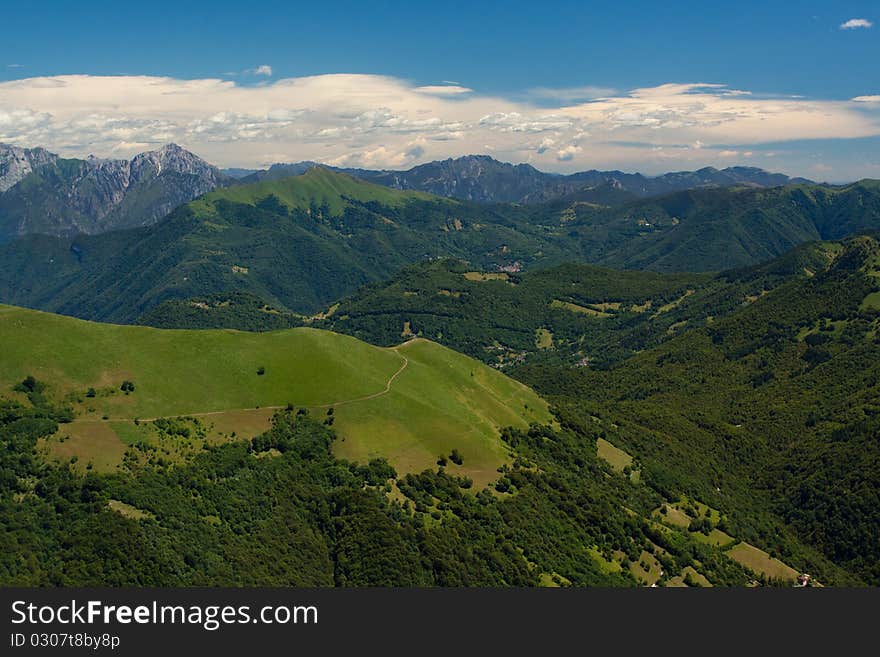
[127, 387]
[261, 370]
[456, 457]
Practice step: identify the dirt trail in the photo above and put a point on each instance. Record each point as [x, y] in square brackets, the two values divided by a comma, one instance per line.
[273, 408]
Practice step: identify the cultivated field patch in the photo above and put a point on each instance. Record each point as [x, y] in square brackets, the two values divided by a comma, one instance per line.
[486, 276]
[760, 562]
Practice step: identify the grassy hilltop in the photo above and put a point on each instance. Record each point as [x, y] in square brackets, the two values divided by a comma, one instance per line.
[409, 404]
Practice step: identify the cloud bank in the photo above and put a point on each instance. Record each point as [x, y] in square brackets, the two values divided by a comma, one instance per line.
[379, 121]
[856, 23]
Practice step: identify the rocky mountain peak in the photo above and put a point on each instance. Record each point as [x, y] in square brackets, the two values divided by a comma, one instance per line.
[100, 194]
[16, 163]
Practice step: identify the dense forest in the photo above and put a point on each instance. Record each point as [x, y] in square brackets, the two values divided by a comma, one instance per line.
[279, 509]
[771, 410]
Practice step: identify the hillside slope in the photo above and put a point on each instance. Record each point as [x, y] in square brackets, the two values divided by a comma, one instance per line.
[585, 313]
[408, 404]
[298, 244]
[770, 410]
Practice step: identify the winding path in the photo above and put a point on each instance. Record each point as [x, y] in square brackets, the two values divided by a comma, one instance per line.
[271, 408]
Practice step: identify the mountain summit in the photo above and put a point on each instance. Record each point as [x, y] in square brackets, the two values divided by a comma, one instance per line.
[16, 163]
[54, 196]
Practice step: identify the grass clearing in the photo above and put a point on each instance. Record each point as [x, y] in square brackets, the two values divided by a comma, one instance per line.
[485, 276]
[647, 569]
[673, 516]
[716, 538]
[760, 562]
[129, 432]
[553, 580]
[871, 302]
[674, 304]
[89, 442]
[614, 456]
[543, 339]
[689, 574]
[245, 423]
[605, 565]
[128, 510]
[575, 308]
[606, 306]
[617, 459]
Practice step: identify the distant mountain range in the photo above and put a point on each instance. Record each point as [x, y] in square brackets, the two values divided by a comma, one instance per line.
[300, 242]
[483, 179]
[43, 193]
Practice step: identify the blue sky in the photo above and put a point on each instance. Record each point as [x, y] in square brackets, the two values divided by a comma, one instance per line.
[494, 50]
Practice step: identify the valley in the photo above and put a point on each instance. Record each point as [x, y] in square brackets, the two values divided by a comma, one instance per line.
[671, 390]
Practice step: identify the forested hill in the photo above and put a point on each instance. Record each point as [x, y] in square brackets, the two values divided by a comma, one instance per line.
[300, 243]
[772, 409]
[716, 229]
[756, 390]
[297, 243]
[569, 313]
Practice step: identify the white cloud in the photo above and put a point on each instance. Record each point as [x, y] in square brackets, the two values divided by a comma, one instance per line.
[567, 154]
[571, 94]
[517, 122]
[546, 144]
[856, 23]
[443, 90]
[15, 66]
[385, 122]
[382, 157]
[866, 99]
[262, 69]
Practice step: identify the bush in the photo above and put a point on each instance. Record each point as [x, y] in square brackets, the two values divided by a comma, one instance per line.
[261, 370]
[456, 457]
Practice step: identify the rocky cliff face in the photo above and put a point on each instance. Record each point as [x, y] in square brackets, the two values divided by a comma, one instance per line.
[66, 197]
[16, 163]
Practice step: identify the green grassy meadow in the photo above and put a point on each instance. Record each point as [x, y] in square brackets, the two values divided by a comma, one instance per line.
[318, 187]
[409, 404]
